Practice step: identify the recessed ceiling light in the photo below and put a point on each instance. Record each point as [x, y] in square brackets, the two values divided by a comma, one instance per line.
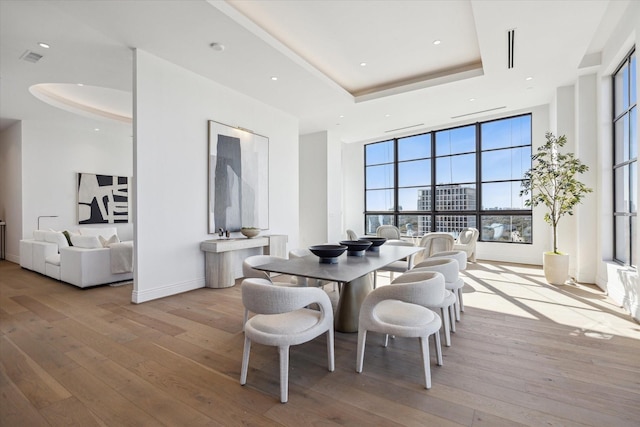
[437, 42]
[274, 78]
[97, 129]
[363, 64]
[529, 78]
[387, 115]
[218, 47]
[471, 99]
[80, 84]
[44, 45]
[341, 116]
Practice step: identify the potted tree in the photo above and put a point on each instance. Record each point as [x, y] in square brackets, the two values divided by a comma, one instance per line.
[552, 182]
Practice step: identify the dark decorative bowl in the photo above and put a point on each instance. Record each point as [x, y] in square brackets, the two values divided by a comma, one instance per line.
[356, 247]
[376, 242]
[328, 254]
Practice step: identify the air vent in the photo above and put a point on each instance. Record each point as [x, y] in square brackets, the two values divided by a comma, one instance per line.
[403, 128]
[511, 34]
[30, 56]
[478, 112]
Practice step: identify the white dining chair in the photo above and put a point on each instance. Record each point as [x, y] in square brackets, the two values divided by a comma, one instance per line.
[282, 320]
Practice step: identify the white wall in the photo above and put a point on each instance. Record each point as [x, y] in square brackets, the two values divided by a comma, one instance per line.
[52, 155]
[353, 176]
[171, 109]
[11, 189]
[314, 227]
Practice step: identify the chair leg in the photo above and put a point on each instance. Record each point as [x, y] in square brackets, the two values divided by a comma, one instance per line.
[375, 278]
[444, 314]
[284, 373]
[362, 340]
[330, 350]
[245, 361]
[457, 306]
[246, 317]
[452, 317]
[424, 345]
[460, 299]
[391, 276]
[436, 343]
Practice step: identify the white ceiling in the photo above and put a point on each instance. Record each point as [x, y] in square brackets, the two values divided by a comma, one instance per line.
[315, 49]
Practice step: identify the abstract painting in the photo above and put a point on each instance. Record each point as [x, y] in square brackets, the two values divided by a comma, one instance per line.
[102, 199]
[238, 178]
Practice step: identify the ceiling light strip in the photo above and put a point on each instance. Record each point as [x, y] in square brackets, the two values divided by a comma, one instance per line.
[478, 112]
[511, 34]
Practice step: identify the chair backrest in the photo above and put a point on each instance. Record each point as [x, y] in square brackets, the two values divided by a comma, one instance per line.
[468, 236]
[436, 242]
[388, 231]
[424, 288]
[299, 253]
[260, 296]
[458, 255]
[449, 267]
[351, 235]
[255, 260]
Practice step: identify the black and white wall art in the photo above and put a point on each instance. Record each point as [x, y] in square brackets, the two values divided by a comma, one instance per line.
[238, 178]
[102, 199]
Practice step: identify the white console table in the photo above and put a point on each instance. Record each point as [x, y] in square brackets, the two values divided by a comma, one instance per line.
[219, 256]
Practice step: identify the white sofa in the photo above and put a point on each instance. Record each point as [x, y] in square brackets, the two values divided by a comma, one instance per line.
[83, 265]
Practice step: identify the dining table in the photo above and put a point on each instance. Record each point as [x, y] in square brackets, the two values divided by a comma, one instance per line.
[352, 273]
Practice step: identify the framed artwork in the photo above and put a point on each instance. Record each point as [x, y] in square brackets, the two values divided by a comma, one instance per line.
[238, 178]
[102, 199]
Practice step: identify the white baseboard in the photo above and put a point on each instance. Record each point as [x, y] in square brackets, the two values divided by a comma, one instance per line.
[138, 297]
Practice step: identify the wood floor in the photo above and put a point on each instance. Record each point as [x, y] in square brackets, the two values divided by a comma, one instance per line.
[525, 353]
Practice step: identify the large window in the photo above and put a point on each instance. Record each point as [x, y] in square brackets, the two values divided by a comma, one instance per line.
[625, 168]
[450, 179]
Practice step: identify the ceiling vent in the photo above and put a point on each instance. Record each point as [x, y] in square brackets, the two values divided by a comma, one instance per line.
[30, 56]
[511, 34]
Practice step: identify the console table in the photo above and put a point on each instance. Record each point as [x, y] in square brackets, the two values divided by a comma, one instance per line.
[219, 256]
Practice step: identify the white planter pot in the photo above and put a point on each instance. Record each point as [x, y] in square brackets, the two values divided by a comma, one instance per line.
[556, 268]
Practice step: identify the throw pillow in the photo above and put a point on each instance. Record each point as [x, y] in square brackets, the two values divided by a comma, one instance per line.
[56, 237]
[39, 235]
[68, 236]
[87, 242]
[109, 241]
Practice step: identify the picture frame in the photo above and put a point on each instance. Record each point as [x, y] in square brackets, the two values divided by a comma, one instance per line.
[238, 173]
[102, 199]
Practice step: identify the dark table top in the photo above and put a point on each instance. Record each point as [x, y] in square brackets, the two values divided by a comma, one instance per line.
[347, 269]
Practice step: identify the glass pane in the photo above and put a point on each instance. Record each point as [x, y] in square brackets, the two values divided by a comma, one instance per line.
[503, 195]
[424, 225]
[456, 197]
[506, 164]
[621, 188]
[456, 169]
[414, 147]
[417, 172]
[379, 177]
[506, 228]
[380, 200]
[621, 90]
[414, 199]
[621, 146]
[632, 238]
[379, 152]
[409, 225]
[375, 221]
[454, 141]
[453, 224]
[632, 78]
[633, 133]
[506, 133]
[623, 243]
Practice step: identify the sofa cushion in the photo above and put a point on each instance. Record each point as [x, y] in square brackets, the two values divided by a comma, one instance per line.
[107, 242]
[87, 242]
[39, 235]
[104, 232]
[56, 237]
[53, 259]
[68, 235]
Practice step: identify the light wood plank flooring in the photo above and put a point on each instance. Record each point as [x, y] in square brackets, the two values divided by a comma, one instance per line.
[525, 353]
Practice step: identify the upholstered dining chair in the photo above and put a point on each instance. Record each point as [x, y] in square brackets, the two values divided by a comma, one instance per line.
[466, 241]
[390, 232]
[249, 272]
[399, 266]
[452, 283]
[400, 310]
[351, 235]
[282, 320]
[461, 258]
[434, 242]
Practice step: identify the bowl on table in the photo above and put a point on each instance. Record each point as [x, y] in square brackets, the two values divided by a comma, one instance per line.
[356, 247]
[328, 254]
[250, 232]
[376, 242]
